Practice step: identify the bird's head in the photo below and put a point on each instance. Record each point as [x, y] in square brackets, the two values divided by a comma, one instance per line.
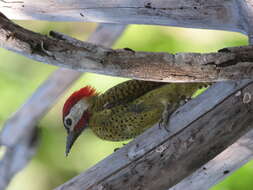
[76, 115]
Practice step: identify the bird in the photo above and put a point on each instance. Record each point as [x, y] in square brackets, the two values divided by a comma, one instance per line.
[123, 111]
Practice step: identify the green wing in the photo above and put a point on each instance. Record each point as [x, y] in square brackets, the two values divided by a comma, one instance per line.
[124, 93]
[125, 121]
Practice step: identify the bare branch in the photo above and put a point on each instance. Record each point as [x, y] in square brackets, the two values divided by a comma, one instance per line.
[221, 166]
[227, 64]
[245, 8]
[198, 132]
[211, 14]
[17, 157]
[21, 126]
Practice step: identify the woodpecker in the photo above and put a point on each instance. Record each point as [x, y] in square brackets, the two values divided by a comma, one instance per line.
[124, 111]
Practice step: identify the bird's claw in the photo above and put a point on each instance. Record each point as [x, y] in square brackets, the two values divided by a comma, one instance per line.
[165, 118]
[163, 123]
[169, 109]
[119, 147]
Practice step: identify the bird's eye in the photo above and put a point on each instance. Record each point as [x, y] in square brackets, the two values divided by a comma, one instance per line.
[68, 122]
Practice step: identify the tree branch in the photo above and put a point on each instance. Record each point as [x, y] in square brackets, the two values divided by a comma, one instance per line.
[220, 167]
[237, 16]
[227, 64]
[17, 157]
[211, 14]
[21, 126]
[198, 132]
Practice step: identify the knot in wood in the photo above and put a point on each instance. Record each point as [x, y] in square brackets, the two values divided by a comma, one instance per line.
[246, 98]
[161, 148]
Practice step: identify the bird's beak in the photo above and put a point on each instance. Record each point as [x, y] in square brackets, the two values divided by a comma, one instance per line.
[71, 138]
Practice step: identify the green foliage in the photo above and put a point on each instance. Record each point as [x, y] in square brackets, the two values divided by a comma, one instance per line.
[19, 77]
[241, 179]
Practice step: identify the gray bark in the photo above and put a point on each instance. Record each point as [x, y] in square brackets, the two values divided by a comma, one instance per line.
[227, 64]
[220, 167]
[210, 14]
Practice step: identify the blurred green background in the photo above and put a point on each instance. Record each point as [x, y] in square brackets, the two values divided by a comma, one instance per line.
[19, 77]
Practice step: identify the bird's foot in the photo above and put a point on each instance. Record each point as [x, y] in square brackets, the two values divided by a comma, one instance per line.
[169, 109]
[163, 123]
[118, 147]
[182, 102]
[165, 118]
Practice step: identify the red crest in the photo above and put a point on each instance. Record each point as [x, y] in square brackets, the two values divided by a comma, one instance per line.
[87, 91]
